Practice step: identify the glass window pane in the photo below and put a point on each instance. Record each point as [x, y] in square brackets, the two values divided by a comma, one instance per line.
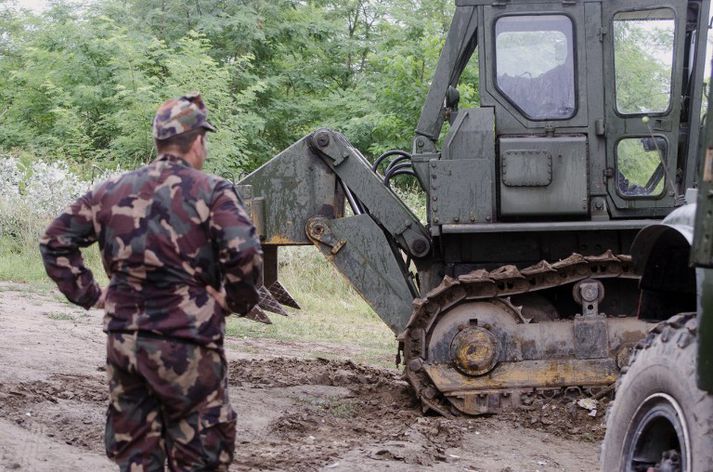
[535, 64]
[640, 171]
[643, 60]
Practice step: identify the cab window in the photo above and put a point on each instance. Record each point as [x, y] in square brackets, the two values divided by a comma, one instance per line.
[534, 60]
[643, 60]
[640, 171]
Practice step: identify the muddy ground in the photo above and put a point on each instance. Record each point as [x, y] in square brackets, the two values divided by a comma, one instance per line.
[297, 411]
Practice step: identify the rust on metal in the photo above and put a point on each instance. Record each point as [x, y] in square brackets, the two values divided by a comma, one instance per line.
[280, 240]
[283, 296]
[475, 350]
[256, 314]
[269, 303]
[545, 356]
[318, 232]
[545, 373]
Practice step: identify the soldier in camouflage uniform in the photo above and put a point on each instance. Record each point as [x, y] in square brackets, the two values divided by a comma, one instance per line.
[181, 254]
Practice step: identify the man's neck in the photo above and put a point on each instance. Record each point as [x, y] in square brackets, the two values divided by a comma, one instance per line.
[189, 158]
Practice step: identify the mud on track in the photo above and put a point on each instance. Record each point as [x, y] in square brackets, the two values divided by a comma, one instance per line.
[297, 411]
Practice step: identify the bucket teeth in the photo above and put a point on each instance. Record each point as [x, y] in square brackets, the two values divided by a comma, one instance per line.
[283, 296]
[269, 303]
[256, 314]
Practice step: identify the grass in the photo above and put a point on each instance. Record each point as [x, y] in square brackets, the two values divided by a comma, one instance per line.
[332, 312]
[333, 315]
[20, 261]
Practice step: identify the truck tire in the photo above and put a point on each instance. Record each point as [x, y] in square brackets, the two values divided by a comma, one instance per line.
[659, 415]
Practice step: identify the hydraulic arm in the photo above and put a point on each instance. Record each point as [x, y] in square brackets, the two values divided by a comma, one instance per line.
[299, 199]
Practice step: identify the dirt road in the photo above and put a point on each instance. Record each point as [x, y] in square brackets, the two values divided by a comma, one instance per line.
[297, 411]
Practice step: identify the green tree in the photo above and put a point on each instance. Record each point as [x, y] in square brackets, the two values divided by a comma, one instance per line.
[84, 88]
[83, 83]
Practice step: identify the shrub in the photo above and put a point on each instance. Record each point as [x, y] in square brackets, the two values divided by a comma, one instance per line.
[33, 194]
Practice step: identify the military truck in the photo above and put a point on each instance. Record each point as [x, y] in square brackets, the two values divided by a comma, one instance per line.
[662, 416]
[519, 282]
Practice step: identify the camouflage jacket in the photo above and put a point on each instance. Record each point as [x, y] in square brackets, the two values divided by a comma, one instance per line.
[166, 232]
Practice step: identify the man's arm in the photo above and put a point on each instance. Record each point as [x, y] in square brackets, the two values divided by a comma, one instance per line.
[239, 252]
[63, 261]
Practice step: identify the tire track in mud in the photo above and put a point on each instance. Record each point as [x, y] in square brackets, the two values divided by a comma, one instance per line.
[369, 408]
[65, 408]
[301, 415]
[380, 415]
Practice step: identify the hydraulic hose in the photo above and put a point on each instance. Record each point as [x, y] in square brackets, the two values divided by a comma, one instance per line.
[394, 152]
[403, 169]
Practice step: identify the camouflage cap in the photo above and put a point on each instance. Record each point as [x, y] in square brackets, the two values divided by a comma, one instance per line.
[180, 115]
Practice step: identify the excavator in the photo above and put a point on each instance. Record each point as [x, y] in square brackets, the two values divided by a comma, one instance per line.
[519, 283]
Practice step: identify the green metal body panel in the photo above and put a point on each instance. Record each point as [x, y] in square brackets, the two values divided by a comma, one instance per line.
[451, 187]
[368, 262]
[543, 176]
[288, 190]
[702, 256]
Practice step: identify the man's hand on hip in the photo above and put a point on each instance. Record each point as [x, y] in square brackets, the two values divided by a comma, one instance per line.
[101, 301]
[219, 297]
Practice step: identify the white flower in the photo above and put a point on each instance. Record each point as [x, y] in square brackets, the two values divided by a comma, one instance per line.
[31, 197]
[10, 177]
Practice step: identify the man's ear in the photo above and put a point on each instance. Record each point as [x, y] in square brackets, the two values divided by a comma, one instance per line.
[197, 142]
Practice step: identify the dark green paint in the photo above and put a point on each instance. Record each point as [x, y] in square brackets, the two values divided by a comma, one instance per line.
[702, 256]
[504, 187]
[369, 263]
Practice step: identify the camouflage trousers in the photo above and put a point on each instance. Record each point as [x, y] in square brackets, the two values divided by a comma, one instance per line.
[168, 404]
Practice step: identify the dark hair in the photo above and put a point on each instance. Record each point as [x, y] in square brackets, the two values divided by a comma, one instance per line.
[182, 142]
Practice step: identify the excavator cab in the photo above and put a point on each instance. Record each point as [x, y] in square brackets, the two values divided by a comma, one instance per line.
[589, 111]
[521, 282]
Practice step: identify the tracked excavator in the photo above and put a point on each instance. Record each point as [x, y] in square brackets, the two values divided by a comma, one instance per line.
[519, 283]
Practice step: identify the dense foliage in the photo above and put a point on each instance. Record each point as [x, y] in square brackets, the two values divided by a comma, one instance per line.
[81, 82]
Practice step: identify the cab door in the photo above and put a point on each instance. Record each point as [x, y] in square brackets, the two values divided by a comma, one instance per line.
[537, 83]
[643, 47]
